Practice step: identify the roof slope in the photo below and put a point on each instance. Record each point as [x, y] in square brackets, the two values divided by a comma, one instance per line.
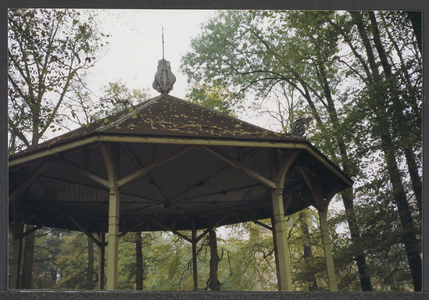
[168, 116]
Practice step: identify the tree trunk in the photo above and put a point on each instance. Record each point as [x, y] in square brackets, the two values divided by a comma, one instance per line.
[214, 283]
[347, 196]
[415, 18]
[90, 269]
[412, 245]
[365, 280]
[398, 113]
[27, 268]
[388, 147]
[399, 195]
[139, 261]
[308, 254]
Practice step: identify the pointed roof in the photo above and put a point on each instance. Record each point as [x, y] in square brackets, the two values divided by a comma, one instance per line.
[168, 116]
[177, 161]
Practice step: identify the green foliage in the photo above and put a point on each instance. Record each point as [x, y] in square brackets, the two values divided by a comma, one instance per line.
[359, 76]
[213, 97]
[48, 52]
[116, 96]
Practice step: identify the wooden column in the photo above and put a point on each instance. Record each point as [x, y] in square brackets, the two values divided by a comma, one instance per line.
[281, 244]
[278, 174]
[111, 157]
[276, 255]
[332, 279]
[16, 232]
[322, 200]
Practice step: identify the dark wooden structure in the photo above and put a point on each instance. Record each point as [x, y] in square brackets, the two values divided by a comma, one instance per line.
[171, 165]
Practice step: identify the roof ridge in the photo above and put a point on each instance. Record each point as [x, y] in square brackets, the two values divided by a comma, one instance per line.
[222, 114]
[129, 115]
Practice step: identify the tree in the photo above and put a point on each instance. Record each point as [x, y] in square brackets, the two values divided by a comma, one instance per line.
[388, 109]
[249, 57]
[215, 97]
[48, 52]
[365, 101]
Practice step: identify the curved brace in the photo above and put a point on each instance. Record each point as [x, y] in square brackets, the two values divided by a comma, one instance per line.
[284, 168]
[278, 220]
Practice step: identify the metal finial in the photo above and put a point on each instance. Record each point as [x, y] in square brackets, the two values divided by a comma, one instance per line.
[163, 41]
[164, 78]
[298, 127]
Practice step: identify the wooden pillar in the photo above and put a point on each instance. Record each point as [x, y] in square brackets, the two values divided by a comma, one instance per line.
[111, 158]
[332, 279]
[16, 263]
[112, 239]
[194, 255]
[276, 256]
[15, 266]
[322, 202]
[278, 173]
[101, 260]
[281, 244]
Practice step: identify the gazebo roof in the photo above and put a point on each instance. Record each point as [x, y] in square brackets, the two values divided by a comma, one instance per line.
[180, 164]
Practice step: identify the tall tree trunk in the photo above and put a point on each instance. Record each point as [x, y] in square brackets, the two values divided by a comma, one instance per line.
[90, 268]
[139, 261]
[347, 196]
[214, 283]
[398, 112]
[388, 147]
[308, 254]
[415, 18]
[409, 238]
[27, 268]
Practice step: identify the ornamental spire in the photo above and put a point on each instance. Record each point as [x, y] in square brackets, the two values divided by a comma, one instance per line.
[164, 78]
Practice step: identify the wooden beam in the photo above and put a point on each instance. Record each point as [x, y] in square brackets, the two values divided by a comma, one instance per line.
[321, 203]
[172, 230]
[242, 168]
[84, 172]
[17, 192]
[37, 227]
[211, 227]
[287, 161]
[292, 144]
[254, 221]
[153, 165]
[132, 228]
[88, 234]
[137, 163]
[154, 140]
[263, 225]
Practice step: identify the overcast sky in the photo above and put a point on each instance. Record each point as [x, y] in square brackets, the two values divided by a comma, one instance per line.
[135, 46]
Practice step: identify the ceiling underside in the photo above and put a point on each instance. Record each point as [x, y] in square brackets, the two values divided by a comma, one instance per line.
[195, 186]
